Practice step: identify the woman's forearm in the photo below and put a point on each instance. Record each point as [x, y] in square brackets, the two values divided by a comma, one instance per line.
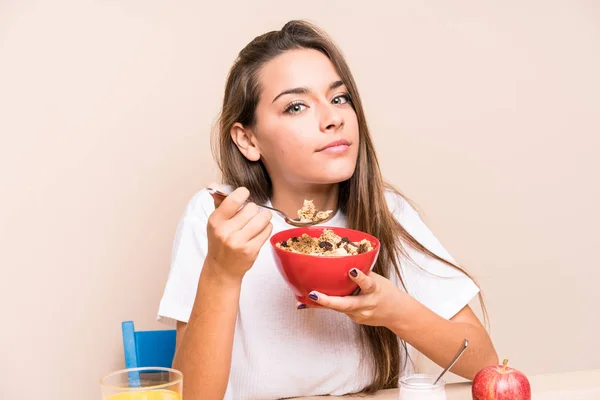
[204, 355]
[439, 340]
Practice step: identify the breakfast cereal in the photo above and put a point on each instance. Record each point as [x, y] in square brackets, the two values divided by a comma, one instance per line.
[309, 213]
[328, 244]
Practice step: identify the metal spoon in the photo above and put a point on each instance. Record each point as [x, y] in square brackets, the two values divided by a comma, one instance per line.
[293, 222]
[454, 360]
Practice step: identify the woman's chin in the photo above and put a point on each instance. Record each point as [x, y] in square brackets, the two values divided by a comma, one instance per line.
[339, 175]
[328, 175]
[332, 178]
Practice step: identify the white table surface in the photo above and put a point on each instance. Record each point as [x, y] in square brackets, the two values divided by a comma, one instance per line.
[581, 385]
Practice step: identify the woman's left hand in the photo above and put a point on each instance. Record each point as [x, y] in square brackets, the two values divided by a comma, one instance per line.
[379, 302]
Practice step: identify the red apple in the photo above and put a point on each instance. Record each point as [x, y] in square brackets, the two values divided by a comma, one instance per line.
[500, 382]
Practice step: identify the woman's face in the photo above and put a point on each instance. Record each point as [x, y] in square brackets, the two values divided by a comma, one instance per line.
[306, 130]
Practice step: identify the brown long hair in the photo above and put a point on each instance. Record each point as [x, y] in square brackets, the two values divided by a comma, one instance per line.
[361, 198]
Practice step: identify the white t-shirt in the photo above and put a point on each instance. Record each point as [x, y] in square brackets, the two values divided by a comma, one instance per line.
[279, 351]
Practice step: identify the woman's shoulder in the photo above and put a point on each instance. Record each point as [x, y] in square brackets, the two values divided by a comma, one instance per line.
[409, 217]
[399, 205]
[201, 204]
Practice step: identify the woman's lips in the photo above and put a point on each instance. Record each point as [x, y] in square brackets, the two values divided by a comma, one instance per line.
[337, 147]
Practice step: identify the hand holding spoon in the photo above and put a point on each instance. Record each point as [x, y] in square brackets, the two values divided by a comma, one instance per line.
[293, 222]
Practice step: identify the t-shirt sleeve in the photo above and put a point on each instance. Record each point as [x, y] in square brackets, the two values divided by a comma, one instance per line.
[442, 288]
[188, 254]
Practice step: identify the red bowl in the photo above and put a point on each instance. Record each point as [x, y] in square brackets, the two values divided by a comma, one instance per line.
[326, 274]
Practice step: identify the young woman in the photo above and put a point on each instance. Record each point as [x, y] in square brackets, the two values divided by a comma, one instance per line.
[292, 128]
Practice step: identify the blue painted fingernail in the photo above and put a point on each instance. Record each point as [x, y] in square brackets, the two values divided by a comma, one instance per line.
[354, 272]
[313, 297]
[301, 306]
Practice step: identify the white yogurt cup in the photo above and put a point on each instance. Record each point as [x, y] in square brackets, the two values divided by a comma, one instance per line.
[421, 387]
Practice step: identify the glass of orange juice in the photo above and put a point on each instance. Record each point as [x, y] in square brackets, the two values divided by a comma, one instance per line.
[148, 383]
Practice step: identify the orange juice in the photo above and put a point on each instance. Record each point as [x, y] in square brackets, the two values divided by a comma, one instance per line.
[147, 395]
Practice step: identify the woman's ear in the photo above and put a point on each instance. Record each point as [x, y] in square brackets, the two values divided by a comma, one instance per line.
[245, 140]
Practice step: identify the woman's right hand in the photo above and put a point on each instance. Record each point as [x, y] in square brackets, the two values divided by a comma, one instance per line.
[235, 236]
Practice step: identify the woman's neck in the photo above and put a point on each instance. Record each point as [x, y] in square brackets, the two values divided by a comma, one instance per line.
[289, 199]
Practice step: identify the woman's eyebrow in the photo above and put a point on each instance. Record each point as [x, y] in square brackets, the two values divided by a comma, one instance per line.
[304, 90]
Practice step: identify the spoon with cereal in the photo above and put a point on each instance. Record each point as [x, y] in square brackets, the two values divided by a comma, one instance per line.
[308, 215]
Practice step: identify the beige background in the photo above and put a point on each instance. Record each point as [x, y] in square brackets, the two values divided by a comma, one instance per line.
[487, 115]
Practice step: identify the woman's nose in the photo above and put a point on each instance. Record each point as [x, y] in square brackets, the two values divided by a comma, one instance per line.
[331, 119]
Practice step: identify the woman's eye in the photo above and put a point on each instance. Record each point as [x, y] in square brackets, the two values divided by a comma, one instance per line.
[295, 108]
[341, 99]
